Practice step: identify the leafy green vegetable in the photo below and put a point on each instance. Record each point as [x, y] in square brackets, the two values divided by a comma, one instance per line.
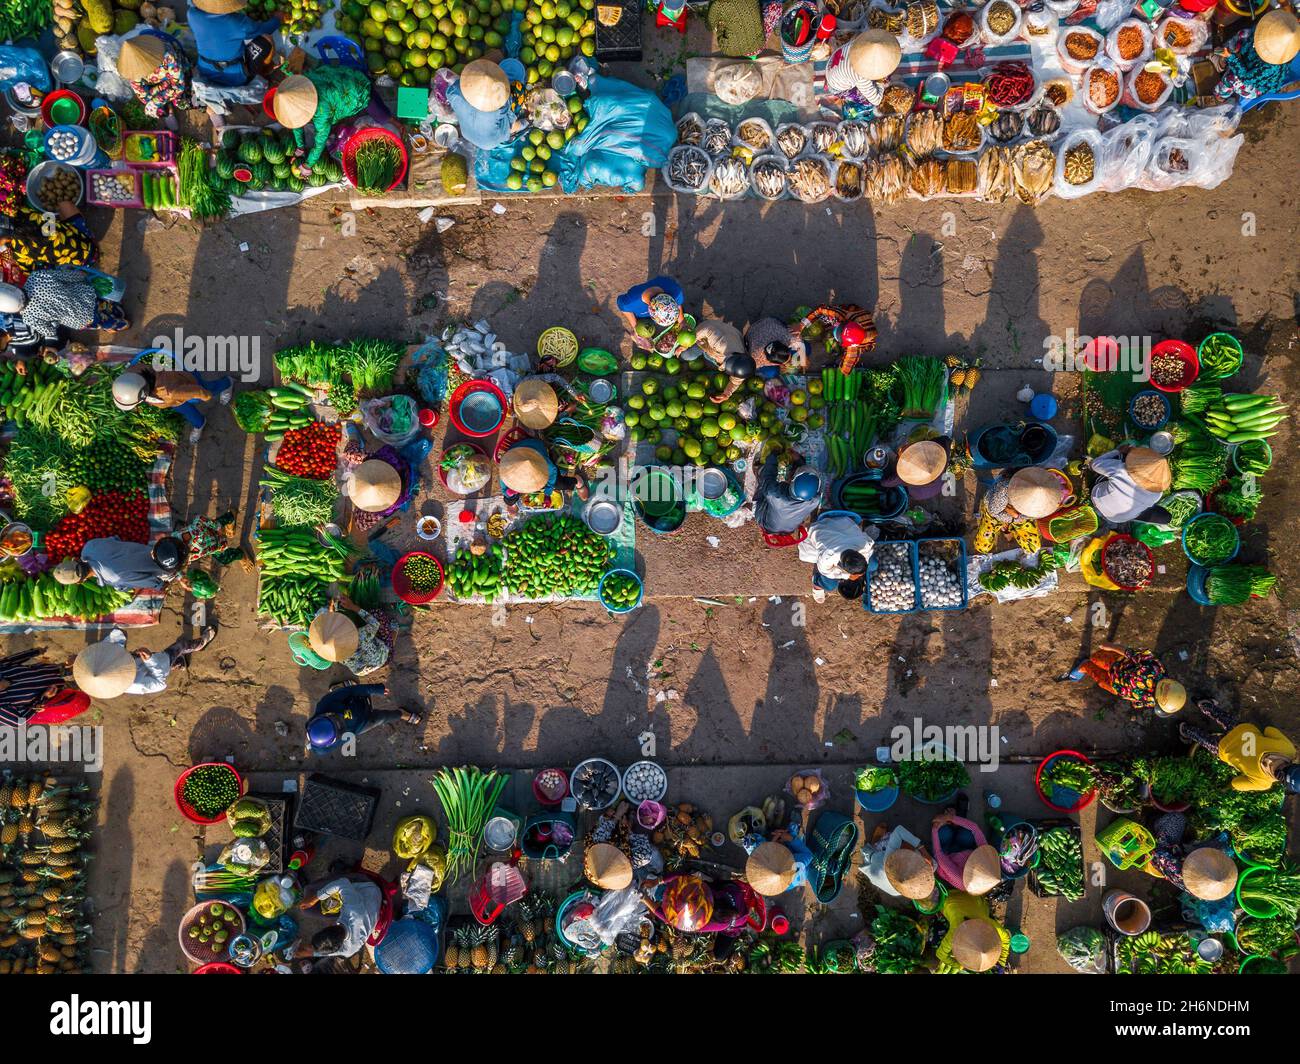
[931, 780]
[36, 466]
[1231, 585]
[899, 942]
[1210, 539]
[875, 778]
[1173, 779]
[1264, 936]
[920, 384]
[1261, 838]
[1083, 949]
[1276, 887]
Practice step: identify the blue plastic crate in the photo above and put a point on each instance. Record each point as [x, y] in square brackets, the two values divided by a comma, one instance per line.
[961, 571]
[910, 546]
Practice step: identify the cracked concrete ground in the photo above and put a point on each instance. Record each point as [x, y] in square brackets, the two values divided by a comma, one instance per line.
[742, 683]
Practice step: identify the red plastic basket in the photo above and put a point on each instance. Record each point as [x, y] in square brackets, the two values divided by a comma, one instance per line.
[1191, 364]
[188, 811]
[1084, 799]
[47, 107]
[359, 138]
[1121, 537]
[1100, 355]
[218, 968]
[403, 587]
[467, 389]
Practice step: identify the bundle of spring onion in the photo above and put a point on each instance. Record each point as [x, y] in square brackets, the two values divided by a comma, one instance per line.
[1233, 416]
[469, 796]
[299, 500]
[196, 189]
[372, 363]
[1231, 585]
[920, 384]
[376, 163]
[1198, 464]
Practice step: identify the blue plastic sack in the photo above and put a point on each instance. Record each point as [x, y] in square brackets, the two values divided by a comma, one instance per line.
[628, 132]
[23, 64]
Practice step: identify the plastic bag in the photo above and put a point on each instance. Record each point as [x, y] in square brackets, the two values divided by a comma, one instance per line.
[809, 789]
[23, 64]
[392, 418]
[1191, 32]
[1127, 27]
[1125, 151]
[629, 131]
[988, 36]
[1077, 140]
[1083, 949]
[616, 912]
[245, 857]
[1108, 93]
[1133, 81]
[738, 83]
[1110, 13]
[1075, 38]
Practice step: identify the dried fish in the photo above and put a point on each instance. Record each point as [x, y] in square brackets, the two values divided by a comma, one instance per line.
[961, 132]
[730, 178]
[848, 180]
[925, 132]
[853, 135]
[1006, 127]
[687, 167]
[886, 134]
[717, 137]
[755, 133]
[927, 178]
[769, 177]
[960, 176]
[887, 179]
[690, 129]
[810, 179]
[1033, 165]
[994, 175]
[1044, 121]
[898, 100]
[824, 135]
[791, 139]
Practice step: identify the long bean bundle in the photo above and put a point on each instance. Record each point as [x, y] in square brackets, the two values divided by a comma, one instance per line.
[196, 189]
[468, 796]
[1231, 585]
[300, 500]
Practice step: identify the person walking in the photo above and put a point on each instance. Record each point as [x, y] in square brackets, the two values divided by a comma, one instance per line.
[347, 710]
[1136, 676]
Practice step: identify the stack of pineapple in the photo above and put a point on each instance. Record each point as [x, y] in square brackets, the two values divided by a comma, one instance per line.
[43, 825]
[525, 944]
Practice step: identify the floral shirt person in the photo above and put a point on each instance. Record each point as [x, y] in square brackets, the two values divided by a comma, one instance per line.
[166, 89]
[1134, 677]
[32, 246]
[1245, 74]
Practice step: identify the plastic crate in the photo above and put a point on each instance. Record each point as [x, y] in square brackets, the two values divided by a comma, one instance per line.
[621, 42]
[136, 200]
[960, 545]
[331, 807]
[910, 547]
[278, 806]
[165, 142]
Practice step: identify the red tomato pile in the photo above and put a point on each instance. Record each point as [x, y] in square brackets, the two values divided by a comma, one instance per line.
[112, 513]
[311, 451]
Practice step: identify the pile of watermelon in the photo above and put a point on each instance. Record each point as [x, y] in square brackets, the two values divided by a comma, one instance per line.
[263, 159]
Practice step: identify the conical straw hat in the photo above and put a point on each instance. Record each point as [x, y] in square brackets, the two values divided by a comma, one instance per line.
[910, 874]
[1035, 492]
[607, 866]
[375, 486]
[982, 871]
[1209, 874]
[140, 56]
[104, 670]
[294, 102]
[1148, 469]
[976, 945]
[524, 469]
[921, 463]
[770, 869]
[333, 636]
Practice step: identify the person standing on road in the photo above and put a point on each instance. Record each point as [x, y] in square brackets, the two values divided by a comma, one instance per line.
[347, 711]
[107, 669]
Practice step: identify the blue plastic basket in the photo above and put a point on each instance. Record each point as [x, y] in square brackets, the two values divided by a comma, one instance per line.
[1196, 575]
[875, 564]
[600, 591]
[961, 569]
[1201, 517]
[409, 948]
[885, 513]
[1163, 421]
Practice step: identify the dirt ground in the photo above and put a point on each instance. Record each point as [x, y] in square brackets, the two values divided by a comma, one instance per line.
[759, 678]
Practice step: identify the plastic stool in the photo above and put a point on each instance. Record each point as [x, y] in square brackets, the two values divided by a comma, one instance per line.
[342, 51]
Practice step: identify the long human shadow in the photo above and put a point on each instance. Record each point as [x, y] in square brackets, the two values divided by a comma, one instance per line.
[159, 952]
[113, 870]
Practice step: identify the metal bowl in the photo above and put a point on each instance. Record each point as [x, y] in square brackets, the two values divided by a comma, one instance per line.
[603, 516]
[713, 483]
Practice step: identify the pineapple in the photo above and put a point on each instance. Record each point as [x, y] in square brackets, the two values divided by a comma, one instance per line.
[34, 789]
[62, 846]
[6, 792]
[479, 954]
[498, 969]
[9, 833]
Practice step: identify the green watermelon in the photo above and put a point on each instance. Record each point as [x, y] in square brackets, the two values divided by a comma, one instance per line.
[281, 170]
[263, 172]
[333, 170]
[225, 165]
[230, 140]
[295, 183]
[250, 151]
[273, 150]
[318, 177]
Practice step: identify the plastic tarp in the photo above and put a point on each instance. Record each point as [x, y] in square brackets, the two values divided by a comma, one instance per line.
[628, 132]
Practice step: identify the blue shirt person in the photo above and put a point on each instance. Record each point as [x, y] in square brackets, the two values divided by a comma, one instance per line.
[220, 32]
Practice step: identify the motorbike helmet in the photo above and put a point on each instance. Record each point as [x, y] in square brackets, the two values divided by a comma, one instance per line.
[805, 486]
